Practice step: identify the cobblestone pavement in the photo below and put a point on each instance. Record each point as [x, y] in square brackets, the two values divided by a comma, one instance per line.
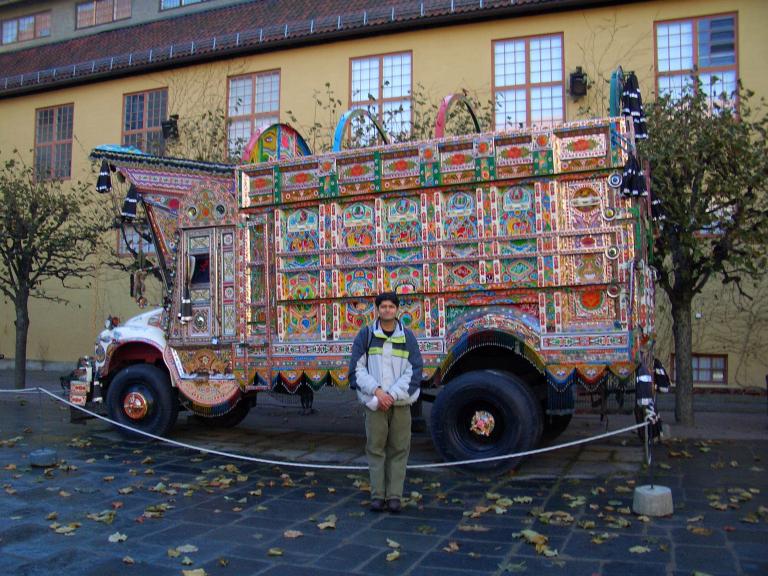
[172, 509]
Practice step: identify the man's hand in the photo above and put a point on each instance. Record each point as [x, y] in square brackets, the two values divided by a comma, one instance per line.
[385, 400]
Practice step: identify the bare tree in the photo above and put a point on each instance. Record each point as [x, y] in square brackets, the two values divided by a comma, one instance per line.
[49, 233]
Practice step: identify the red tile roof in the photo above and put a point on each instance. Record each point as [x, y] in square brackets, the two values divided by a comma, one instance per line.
[241, 28]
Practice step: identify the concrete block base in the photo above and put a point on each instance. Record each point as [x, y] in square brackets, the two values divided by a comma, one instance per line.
[43, 457]
[653, 501]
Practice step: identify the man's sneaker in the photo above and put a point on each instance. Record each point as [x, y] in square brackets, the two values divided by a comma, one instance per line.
[394, 505]
[378, 505]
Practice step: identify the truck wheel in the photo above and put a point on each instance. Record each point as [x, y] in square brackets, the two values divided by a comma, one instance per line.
[228, 420]
[141, 396]
[554, 425]
[482, 414]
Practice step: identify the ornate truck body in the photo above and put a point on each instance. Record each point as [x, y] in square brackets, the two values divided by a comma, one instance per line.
[522, 270]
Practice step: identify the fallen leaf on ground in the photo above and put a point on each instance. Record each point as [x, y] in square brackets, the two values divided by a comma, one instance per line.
[393, 544]
[195, 572]
[128, 560]
[187, 548]
[293, 534]
[187, 561]
[639, 550]
[329, 523]
[699, 530]
[452, 547]
[394, 555]
[473, 528]
[275, 552]
[117, 537]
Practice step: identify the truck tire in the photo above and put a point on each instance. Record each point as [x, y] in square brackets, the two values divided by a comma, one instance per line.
[228, 420]
[141, 396]
[514, 413]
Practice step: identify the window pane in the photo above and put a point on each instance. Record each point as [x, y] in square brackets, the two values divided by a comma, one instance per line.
[674, 46]
[10, 31]
[510, 109]
[86, 14]
[267, 93]
[719, 85]
[170, 4]
[546, 104]
[122, 9]
[675, 86]
[546, 60]
[26, 28]
[156, 108]
[239, 134]
[136, 140]
[63, 160]
[717, 42]
[64, 123]
[705, 362]
[134, 112]
[240, 96]
[43, 25]
[104, 11]
[509, 63]
[361, 130]
[397, 119]
[718, 362]
[365, 79]
[155, 142]
[397, 75]
[45, 125]
[43, 162]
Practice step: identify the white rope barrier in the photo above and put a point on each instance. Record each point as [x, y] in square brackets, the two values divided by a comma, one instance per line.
[284, 463]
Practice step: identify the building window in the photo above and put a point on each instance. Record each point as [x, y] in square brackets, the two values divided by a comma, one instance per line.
[382, 85]
[528, 85]
[131, 240]
[708, 369]
[27, 28]
[168, 4]
[53, 142]
[253, 104]
[102, 12]
[699, 48]
[142, 114]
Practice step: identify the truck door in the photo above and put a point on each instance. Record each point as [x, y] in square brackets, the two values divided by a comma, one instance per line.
[207, 269]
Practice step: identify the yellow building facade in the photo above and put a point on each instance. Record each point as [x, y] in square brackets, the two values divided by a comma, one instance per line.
[444, 58]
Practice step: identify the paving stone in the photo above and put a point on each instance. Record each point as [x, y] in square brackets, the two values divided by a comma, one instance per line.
[634, 569]
[347, 557]
[705, 559]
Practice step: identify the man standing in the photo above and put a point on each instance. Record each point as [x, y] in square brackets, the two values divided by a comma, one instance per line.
[385, 369]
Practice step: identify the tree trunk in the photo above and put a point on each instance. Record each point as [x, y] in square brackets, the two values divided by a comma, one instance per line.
[22, 329]
[682, 330]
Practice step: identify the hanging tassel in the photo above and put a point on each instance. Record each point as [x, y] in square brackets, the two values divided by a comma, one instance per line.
[104, 181]
[129, 205]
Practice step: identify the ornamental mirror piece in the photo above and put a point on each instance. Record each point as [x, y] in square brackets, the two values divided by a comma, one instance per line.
[612, 252]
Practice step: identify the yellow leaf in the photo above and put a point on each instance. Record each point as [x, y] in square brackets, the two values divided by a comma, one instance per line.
[195, 572]
[52, 516]
[293, 534]
[639, 549]
[187, 561]
[275, 552]
[309, 495]
[452, 547]
[330, 523]
[393, 544]
[128, 560]
[699, 530]
[698, 518]
[173, 553]
[394, 555]
[187, 548]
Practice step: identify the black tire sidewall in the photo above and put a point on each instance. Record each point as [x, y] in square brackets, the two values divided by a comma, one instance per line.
[166, 408]
[229, 420]
[512, 401]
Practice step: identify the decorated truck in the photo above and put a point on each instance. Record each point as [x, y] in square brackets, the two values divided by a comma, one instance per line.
[520, 258]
